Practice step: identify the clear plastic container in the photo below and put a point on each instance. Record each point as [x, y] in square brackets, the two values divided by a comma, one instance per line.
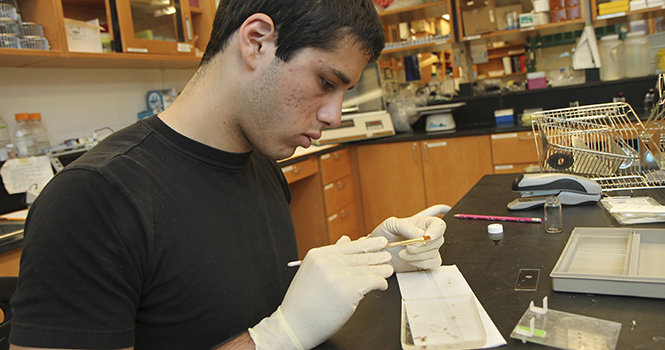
[33, 43]
[433, 86]
[32, 29]
[43, 144]
[444, 323]
[9, 41]
[9, 26]
[8, 11]
[553, 219]
[636, 53]
[611, 58]
[24, 136]
[5, 139]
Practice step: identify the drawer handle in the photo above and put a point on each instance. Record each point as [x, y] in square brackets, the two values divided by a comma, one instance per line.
[297, 170]
[425, 151]
[341, 184]
[415, 155]
[344, 213]
[337, 155]
[526, 138]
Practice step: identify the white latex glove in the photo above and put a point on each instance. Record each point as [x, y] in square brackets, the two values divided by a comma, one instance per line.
[324, 293]
[417, 256]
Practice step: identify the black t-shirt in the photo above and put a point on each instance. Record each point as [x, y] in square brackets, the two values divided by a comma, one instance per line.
[156, 241]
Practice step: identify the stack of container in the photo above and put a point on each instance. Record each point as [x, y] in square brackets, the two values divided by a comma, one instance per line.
[16, 34]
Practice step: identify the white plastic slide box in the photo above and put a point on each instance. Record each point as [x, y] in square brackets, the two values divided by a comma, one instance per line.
[617, 261]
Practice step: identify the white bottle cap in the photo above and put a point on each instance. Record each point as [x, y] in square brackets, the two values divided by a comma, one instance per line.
[494, 228]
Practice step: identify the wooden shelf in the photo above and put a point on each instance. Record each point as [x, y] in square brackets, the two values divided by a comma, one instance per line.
[415, 49]
[413, 13]
[564, 26]
[26, 58]
[502, 76]
[601, 21]
[58, 59]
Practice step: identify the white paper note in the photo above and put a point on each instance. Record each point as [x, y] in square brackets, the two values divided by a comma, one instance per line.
[20, 174]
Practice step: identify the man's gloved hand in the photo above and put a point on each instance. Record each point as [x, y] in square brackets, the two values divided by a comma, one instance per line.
[324, 293]
[417, 256]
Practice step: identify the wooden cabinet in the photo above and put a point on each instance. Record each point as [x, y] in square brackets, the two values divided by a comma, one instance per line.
[323, 203]
[339, 195]
[300, 170]
[513, 152]
[194, 22]
[9, 262]
[307, 211]
[400, 179]
[148, 27]
[391, 181]
[451, 166]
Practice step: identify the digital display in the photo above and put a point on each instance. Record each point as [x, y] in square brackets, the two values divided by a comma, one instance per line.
[344, 124]
[374, 124]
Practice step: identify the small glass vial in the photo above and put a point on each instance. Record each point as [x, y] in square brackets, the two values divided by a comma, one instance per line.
[553, 219]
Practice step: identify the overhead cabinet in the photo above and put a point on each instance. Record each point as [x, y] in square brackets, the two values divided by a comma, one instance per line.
[159, 27]
[143, 33]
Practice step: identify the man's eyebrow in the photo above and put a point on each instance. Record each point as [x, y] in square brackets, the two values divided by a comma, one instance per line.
[340, 75]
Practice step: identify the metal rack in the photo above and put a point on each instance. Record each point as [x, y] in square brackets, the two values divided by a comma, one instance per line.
[605, 142]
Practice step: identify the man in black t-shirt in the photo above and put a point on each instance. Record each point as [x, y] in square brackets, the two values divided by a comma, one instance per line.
[175, 232]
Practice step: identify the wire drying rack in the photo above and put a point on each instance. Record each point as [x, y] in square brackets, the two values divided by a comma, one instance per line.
[605, 142]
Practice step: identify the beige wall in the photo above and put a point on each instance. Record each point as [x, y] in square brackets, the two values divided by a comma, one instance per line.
[75, 102]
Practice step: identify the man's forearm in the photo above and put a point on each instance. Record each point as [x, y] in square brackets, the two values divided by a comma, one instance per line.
[241, 342]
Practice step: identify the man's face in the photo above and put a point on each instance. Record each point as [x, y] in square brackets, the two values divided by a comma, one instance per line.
[293, 101]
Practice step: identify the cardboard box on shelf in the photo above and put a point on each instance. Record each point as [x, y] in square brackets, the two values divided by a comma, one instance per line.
[503, 11]
[478, 17]
[83, 36]
[526, 20]
[541, 6]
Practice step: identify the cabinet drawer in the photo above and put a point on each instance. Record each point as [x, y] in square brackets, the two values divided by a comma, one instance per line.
[338, 194]
[515, 147]
[300, 170]
[343, 222]
[335, 165]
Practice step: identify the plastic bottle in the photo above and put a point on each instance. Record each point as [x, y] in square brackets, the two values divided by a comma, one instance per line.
[5, 139]
[636, 52]
[24, 136]
[648, 102]
[433, 86]
[42, 145]
[611, 58]
[495, 232]
[619, 98]
[553, 219]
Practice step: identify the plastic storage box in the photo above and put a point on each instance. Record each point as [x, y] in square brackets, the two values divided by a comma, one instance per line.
[617, 261]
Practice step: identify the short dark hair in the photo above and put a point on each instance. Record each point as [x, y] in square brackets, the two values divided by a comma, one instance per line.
[302, 23]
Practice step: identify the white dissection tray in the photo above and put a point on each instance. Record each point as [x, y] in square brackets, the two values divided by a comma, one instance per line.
[617, 261]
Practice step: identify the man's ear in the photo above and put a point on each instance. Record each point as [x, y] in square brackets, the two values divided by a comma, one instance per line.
[256, 38]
